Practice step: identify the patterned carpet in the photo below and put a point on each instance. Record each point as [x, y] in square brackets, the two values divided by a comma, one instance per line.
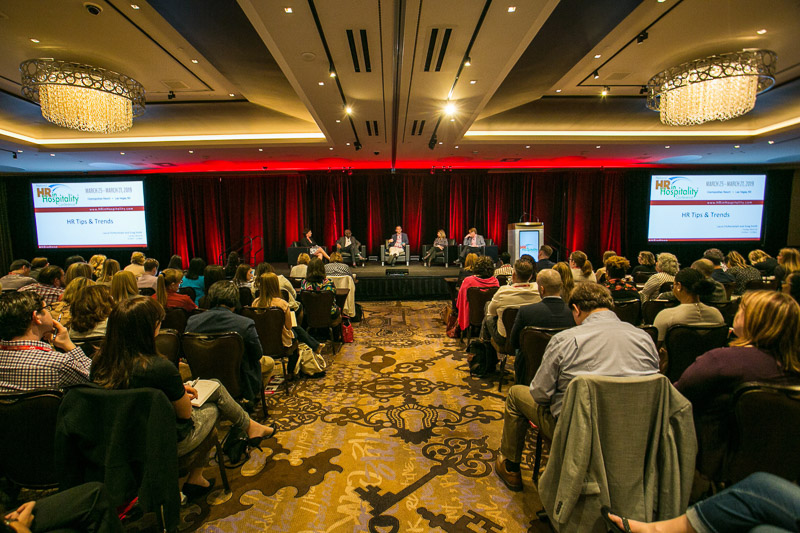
[396, 437]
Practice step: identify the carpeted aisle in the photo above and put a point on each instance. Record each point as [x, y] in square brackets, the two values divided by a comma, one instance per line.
[396, 437]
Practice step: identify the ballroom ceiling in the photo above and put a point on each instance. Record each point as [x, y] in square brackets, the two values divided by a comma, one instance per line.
[252, 86]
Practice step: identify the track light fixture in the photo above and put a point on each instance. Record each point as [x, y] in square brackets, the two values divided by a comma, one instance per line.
[13, 153]
[432, 142]
[331, 72]
[357, 145]
[450, 109]
[171, 95]
[605, 90]
[643, 90]
[467, 62]
[642, 37]
[595, 74]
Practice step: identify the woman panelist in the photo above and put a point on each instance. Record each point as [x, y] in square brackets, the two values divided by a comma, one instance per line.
[313, 247]
[437, 249]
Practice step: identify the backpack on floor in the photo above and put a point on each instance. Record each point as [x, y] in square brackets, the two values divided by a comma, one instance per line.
[359, 316]
[482, 358]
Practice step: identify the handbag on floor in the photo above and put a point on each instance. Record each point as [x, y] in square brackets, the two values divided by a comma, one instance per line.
[308, 362]
[234, 447]
[453, 331]
[347, 330]
[482, 358]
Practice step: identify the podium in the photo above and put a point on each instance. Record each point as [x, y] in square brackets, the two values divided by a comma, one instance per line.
[525, 238]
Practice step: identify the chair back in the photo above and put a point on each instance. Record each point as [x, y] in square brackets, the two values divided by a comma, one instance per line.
[296, 282]
[175, 318]
[317, 307]
[245, 296]
[90, 345]
[285, 295]
[269, 325]
[509, 316]
[477, 297]
[642, 277]
[532, 342]
[760, 285]
[651, 308]
[502, 279]
[686, 343]
[147, 291]
[650, 330]
[628, 310]
[188, 291]
[168, 344]
[729, 288]
[665, 287]
[27, 437]
[728, 310]
[767, 418]
[215, 356]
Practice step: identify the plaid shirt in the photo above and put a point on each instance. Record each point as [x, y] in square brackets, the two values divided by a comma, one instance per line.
[31, 365]
[49, 293]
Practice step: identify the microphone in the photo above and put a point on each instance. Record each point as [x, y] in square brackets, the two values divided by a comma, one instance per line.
[522, 217]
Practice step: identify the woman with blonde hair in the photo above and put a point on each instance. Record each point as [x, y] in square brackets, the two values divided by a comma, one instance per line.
[90, 312]
[581, 268]
[764, 262]
[299, 270]
[647, 263]
[269, 295]
[60, 311]
[468, 268]
[741, 271]
[78, 270]
[110, 267]
[167, 291]
[788, 262]
[568, 283]
[123, 286]
[439, 244]
[96, 262]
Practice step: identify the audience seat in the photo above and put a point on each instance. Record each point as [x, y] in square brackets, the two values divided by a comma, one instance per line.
[188, 291]
[629, 310]
[728, 310]
[763, 285]
[642, 277]
[90, 345]
[269, 325]
[651, 308]
[168, 344]
[175, 318]
[477, 298]
[317, 308]
[245, 296]
[685, 343]
[508, 317]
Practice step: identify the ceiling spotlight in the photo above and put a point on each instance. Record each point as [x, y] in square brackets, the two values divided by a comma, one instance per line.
[595, 74]
[761, 31]
[348, 110]
[52, 155]
[527, 146]
[357, 145]
[122, 153]
[511, 9]
[338, 121]
[440, 142]
[260, 149]
[455, 147]
[191, 151]
[605, 90]
[736, 146]
[467, 62]
[473, 82]
[332, 73]
[287, 10]
[768, 142]
[331, 148]
[171, 95]
[641, 37]
[20, 151]
[558, 90]
[667, 146]
[195, 61]
[322, 83]
[134, 6]
[347, 144]
[598, 146]
[231, 95]
[597, 56]
[35, 41]
[450, 108]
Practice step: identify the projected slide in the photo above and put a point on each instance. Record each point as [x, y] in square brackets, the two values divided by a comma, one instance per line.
[529, 243]
[706, 208]
[101, 214]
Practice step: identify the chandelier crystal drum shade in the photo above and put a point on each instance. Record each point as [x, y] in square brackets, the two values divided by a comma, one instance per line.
[719, 87]
[82, 97]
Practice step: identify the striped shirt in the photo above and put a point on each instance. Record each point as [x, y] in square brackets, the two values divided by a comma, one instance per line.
[33, 365]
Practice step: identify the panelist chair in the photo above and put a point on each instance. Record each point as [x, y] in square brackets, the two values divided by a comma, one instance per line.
[347, 257]
[405, 256]
[449, 254]
[294, 251]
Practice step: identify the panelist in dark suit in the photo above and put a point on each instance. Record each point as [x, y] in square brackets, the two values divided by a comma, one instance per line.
[224, 298]
[551, 312]
[396, 244]
[348, 243]
[472, 244]
[313, 247]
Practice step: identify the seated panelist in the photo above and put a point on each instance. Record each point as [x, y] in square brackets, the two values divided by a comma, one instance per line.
[472, 244]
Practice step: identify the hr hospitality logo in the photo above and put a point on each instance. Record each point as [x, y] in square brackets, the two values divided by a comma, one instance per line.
[678, 187]
[58, 194]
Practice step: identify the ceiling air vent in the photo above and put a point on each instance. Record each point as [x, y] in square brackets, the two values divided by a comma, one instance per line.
[434, 43]
[372, 128]
[359, 54]
[175, 85]
[417, 126]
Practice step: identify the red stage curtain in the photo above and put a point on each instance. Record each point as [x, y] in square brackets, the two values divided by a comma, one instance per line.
[413, 208]
[195, 220]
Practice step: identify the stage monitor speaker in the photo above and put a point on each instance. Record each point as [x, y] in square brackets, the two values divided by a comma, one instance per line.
[397, 272]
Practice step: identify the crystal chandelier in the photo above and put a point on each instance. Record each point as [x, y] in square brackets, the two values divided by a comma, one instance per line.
[82, 97]
[719, 87]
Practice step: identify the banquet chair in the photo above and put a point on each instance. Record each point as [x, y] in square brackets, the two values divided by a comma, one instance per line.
[508, 317]
[269, 326]
[168, 344]
[477, 298]
[685, 343]
[628, 310]
[317, 307]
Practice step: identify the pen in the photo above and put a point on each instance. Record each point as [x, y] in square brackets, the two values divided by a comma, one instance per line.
[193, 383]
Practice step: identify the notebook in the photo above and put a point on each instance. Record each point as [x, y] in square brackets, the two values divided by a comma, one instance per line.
[205, 388]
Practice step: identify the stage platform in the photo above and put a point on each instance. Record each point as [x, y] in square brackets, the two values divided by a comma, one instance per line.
[420, 283]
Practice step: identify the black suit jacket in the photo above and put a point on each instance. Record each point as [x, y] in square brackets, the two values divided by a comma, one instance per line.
[551, 312]
[543, 264]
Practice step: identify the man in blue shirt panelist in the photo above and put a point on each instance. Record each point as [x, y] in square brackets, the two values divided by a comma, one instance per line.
[600, 344]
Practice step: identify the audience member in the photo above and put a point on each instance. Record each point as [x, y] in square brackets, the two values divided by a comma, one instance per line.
[349, 244]
[788, 262]
[71, 260]
[78, 270]
[224, 300]
[483, 277]
[600, 344]
[647, 263]
[123, 286]
[551, 312]
[313, 248]
[567, 283]
[621, 288]
[243, 276]
[90, 312]
[520, 292]
[27, 361]
[395, 245]
[791, 286]
[467, 270]
[110, 267]
[50, 285]
[211, 275]
[764, 262]
[149, 279]
[175, 262]
[705, 267]
[473, 243]
[666, 268]
[60, 311]
[337, 267]
[231, 265]
[741, 271]
[505, 268]
[96, 263]
[167, 291]
[18, 275]
[317, 281]
[270, 296]
[437, 250]
[716, 257]
[194, 278]
[689, 288]
[283, 284]
[129, 359]
[581, 268]
[37, 264]
[600, 274]
[299, 270]
[137, 264]
[544, 257]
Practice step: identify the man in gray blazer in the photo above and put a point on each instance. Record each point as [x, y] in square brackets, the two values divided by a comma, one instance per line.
[473, 243]
[349, 244]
